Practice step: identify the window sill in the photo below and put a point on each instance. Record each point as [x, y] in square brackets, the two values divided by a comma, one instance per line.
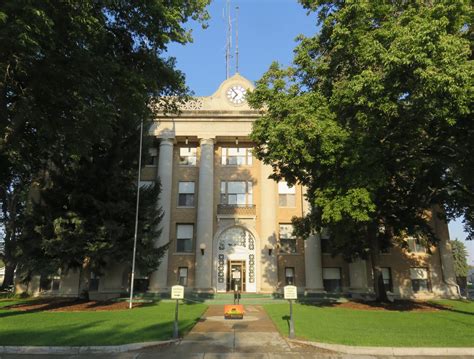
[236, 165]
[185, 207]
[150, 166]
[184, 253]
[287, 207]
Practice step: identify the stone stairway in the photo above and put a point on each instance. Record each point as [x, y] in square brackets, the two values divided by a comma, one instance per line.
[245, 298]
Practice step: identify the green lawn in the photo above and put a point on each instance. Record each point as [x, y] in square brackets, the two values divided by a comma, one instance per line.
[447, 328]
[154, 322]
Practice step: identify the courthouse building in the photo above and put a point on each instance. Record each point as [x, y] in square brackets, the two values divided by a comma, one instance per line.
[229, 225]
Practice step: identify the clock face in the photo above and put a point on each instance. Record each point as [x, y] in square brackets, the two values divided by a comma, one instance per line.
[236, 94]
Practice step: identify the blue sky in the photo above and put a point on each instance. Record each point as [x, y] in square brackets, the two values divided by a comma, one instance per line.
[267, 32]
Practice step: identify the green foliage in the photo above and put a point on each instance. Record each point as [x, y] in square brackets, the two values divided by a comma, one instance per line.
[460, 254]
[78, 78]
[374, 118]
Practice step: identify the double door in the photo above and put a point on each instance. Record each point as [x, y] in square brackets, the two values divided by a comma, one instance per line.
[236, 276]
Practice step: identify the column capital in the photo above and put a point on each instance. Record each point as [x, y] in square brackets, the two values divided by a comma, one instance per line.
[166, 141]
[207, 141]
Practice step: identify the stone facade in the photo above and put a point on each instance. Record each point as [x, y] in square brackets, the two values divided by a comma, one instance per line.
[225, 219]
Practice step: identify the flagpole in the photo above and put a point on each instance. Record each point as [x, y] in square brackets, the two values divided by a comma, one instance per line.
[136, 216]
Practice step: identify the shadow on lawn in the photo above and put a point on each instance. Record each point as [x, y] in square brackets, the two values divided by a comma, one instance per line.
[398, 305]
[287, 318]
[91, 334]
[66, 305]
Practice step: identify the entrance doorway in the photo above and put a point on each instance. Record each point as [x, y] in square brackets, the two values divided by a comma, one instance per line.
[236, 278]
[236, 251]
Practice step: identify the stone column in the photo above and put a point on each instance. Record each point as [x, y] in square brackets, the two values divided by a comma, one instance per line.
[205, 220]
[358, 276]
[312, 258]
[158, 280]
[449, 287]
[313, 264]
[447, 268]
[268, 231]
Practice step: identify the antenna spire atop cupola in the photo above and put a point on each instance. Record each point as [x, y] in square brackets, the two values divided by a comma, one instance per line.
[229, 37]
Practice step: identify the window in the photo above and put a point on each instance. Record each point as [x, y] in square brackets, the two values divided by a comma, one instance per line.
[286, 195]
[183, 276]
[415, 245]
[145, 184]
[152, 159]
[140, 284]
[186, 194]
[387, 278]
[289, 275]
[325, 241]
[238, 194]
[184, 238]
[187, 156]
[287, 239]
[50, 283]
[332, 279]
[419, 280]
[325, 246]
[94, 282]
[236, 156]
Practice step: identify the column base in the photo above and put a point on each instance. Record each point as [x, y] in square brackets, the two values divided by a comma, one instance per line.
[361, 293]
[314, 291]
[158, 290]
[360, 290]
[204, 290]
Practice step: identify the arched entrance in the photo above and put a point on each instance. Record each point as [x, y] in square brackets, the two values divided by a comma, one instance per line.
[236, 260]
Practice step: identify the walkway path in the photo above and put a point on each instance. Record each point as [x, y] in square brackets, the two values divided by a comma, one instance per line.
[213, 337]
[255, 336]
[256, 333]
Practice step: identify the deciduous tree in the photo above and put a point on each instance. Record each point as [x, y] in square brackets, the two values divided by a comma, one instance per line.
[76, 80]
[374, 119]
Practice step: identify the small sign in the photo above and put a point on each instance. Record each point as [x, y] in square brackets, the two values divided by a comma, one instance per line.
[290, 292]
[235, 311]
[177, 292]
[236, 275]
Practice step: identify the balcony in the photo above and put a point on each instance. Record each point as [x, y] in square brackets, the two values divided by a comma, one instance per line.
[236, 209]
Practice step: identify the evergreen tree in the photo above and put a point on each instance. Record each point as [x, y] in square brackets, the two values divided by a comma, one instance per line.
[374, 119]
[461, 268]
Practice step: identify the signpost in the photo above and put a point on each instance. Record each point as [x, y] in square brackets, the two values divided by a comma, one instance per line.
[290, 293]
[177, 292]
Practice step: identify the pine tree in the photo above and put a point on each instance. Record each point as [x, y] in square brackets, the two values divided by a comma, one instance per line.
[461, 268]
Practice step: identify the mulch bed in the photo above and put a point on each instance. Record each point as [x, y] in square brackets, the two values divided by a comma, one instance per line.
[76, 305]
[399, 305]
[70, 305]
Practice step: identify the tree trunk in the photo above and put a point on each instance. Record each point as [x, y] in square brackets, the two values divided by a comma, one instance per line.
[9, 215]
[379, 287]
[85, 279]
[9, 277]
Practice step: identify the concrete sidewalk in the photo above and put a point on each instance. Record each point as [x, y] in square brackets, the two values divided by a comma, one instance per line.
[255, 336]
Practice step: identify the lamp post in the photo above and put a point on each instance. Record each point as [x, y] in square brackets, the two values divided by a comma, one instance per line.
[132, 279]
